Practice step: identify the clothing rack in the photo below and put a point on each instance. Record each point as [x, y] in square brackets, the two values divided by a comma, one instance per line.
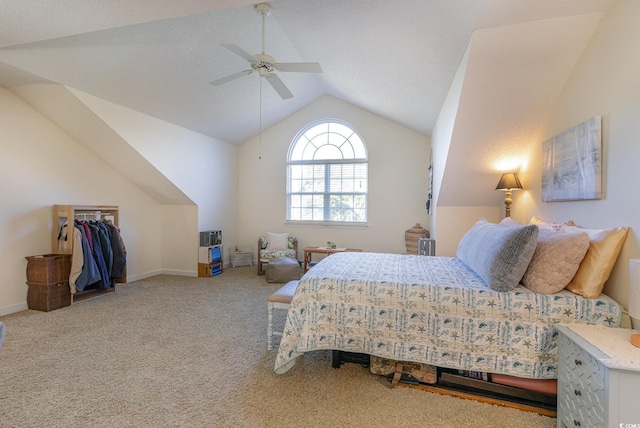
[65, 215]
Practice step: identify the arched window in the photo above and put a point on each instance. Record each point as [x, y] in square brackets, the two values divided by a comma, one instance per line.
[327, 175]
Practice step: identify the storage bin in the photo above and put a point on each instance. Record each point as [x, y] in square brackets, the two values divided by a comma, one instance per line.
[240, 258]
[48, 268]
[48, 297]
[210, 269]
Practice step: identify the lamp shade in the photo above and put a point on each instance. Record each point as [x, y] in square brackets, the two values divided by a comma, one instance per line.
[634, 292]
[509, 181]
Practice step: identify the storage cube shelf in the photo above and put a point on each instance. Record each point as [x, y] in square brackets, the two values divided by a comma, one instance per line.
[210, 238]
[210, 261]
[210, 269]
[210, 254]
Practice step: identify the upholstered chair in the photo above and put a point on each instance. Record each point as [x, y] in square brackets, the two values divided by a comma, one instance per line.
[275, 245]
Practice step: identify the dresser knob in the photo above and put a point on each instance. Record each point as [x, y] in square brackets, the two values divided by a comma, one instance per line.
[576, 423]
[578, 393]
[578, 362]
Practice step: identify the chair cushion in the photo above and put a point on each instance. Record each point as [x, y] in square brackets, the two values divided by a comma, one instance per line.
[284, 293]
[277, 241]
[266, 255]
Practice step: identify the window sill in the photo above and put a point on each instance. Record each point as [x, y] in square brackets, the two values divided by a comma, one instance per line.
[338, 224]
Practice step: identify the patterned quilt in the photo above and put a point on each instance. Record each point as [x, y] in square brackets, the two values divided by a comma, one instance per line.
[432, 310]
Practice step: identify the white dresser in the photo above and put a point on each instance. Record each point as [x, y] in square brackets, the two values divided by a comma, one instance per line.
[598, 377]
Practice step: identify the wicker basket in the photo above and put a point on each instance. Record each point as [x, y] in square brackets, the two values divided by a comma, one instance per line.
[48, 297]
[48, 268]
[411, 237]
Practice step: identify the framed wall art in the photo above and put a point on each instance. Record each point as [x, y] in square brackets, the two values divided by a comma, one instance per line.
[572, 163]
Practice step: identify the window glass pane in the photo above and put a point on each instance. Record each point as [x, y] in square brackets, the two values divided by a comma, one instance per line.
[347, 150]
[358, 147]
[316, 130]
[328, 152]
[308, 151]
[321, 187]
[341, 129]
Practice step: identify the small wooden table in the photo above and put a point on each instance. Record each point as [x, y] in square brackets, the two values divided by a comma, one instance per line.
[323, 250]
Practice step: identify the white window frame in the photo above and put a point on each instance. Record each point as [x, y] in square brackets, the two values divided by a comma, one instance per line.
[354, 155]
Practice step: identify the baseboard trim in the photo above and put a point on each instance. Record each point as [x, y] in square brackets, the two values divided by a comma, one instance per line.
[12, 309]
[179, 272]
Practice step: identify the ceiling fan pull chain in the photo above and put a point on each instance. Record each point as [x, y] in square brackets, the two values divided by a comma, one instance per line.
[263, 15]
[260, 124]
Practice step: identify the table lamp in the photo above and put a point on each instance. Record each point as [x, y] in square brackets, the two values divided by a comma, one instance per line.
[508, 182]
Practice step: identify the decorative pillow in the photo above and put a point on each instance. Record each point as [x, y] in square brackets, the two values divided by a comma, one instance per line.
[556, 226]
[277, 241]
[499, 255]
[507, 221]
[604, 247]
[556, 260]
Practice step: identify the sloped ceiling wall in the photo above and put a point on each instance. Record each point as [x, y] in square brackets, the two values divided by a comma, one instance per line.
[513, 76]
[63, 108]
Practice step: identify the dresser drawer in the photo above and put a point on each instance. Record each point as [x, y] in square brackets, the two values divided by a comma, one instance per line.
[581, 386]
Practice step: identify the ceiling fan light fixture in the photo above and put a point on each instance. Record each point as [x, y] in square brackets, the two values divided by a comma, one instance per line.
[263, 8]
[265, 64]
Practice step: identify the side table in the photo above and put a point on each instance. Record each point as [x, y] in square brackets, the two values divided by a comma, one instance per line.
[323, 250]
[598, 377]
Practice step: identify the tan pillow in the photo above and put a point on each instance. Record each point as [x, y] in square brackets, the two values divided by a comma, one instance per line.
[604, 247]
[277, 241]
[556, 226]
[556, 259]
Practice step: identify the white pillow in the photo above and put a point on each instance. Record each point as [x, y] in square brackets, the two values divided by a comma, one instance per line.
[277, 241]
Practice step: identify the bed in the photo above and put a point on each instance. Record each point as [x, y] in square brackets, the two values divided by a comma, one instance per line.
[441, 311]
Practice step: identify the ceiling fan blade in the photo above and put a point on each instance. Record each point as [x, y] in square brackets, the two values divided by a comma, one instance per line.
[300, 67]
[231, 77]
[280, 88]
[239, 51]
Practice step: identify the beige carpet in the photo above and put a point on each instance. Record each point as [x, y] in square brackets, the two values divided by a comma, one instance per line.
[191, 352]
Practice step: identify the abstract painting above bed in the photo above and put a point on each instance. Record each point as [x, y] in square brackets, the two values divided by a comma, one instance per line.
[433, 310]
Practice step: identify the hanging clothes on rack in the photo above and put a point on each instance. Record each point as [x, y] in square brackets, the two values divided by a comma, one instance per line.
[89, 273]
[98, 257]
[119, 251]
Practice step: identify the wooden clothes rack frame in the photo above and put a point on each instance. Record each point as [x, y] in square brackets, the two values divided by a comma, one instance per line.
[67, 214]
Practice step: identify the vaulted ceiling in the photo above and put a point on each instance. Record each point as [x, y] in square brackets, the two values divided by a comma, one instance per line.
[394, 58]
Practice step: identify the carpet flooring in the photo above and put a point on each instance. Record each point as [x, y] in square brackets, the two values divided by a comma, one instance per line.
[172, 351]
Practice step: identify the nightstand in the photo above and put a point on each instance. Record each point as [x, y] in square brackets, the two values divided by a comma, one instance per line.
[598, 377]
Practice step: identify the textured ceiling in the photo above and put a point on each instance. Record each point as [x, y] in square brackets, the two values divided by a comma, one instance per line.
[394, 58]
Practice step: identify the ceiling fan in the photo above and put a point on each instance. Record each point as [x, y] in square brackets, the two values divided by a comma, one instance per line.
[265, 64]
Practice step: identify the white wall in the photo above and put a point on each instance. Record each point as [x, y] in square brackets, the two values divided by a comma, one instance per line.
[606, 82]
[398, 162]
[204, 168]
[41, 166]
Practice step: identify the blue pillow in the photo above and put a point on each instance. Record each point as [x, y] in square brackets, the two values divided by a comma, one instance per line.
[499, 255]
